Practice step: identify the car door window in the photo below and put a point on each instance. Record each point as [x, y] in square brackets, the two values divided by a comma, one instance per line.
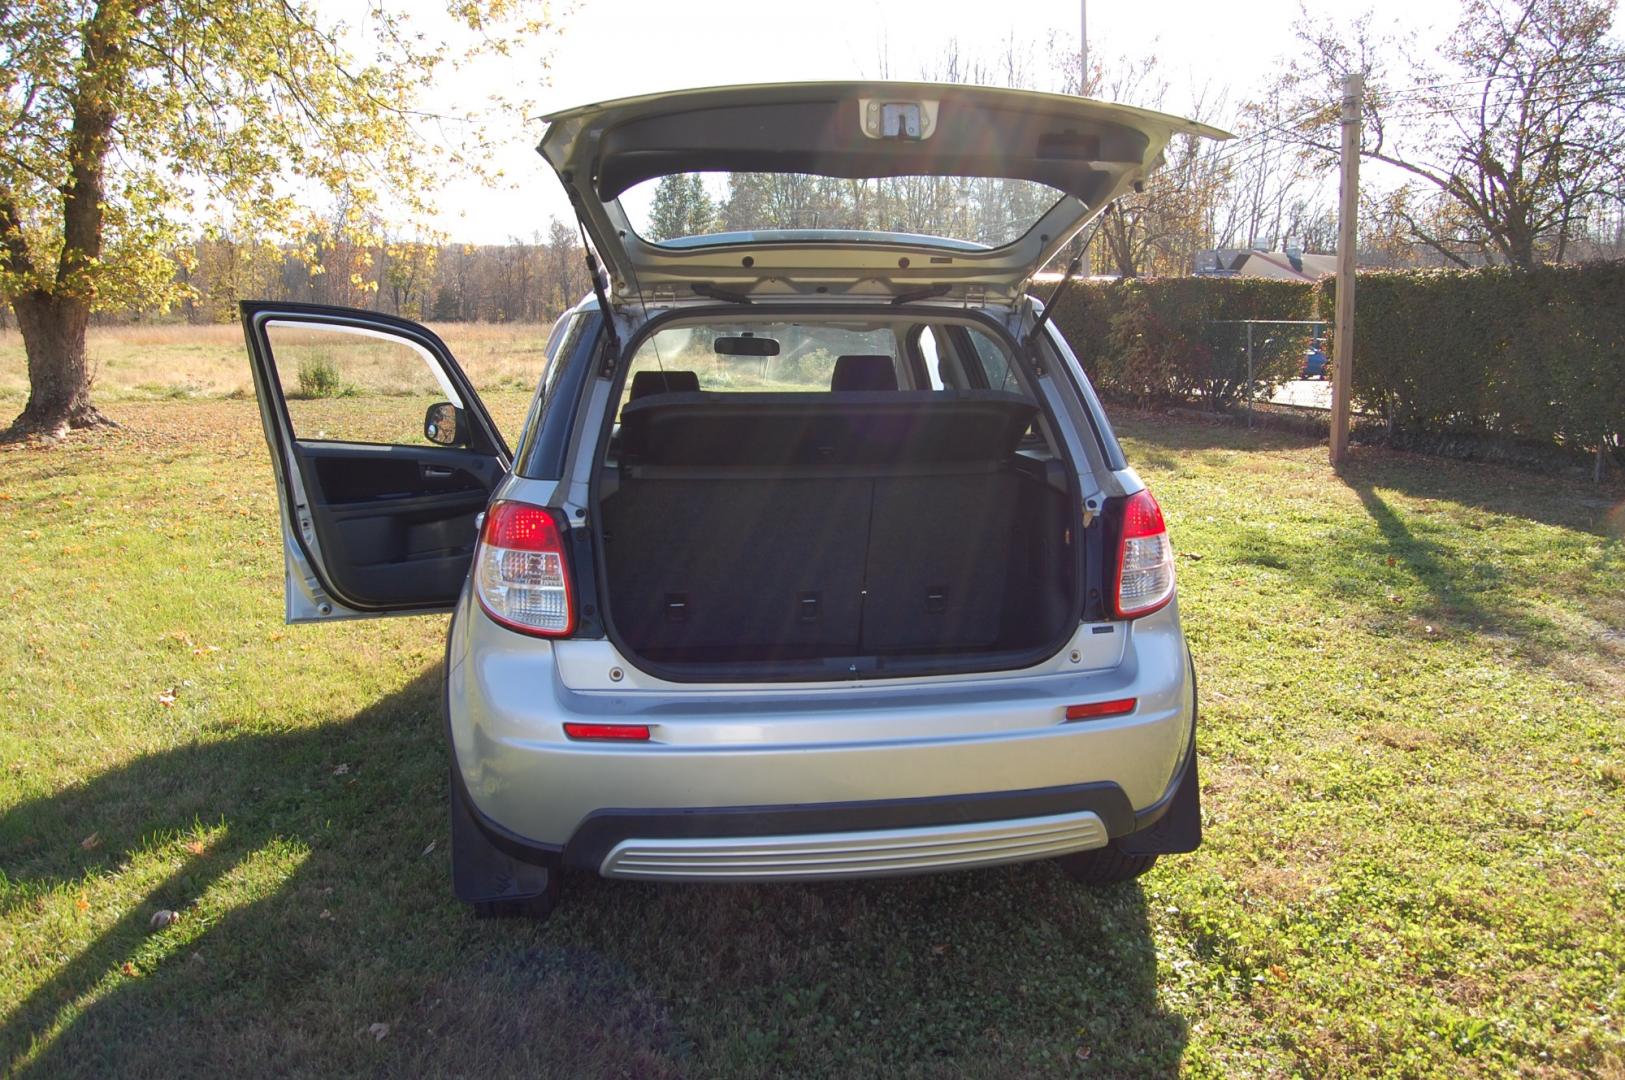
[355, 385]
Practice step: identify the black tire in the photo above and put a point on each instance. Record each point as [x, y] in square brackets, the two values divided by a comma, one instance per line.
[1105, 866]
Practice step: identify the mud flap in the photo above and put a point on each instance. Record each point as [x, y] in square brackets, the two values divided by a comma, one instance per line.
[1179, 829]
[483, 873]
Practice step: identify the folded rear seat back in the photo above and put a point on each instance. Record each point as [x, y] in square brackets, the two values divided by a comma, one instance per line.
[738, 569]
[748, 526]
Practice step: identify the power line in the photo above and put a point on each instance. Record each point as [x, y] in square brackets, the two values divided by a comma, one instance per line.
[1460, 108]
[1477, 80]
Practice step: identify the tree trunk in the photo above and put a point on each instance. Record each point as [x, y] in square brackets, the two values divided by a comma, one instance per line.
[53, 331]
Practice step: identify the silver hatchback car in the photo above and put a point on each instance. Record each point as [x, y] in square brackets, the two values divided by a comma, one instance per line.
[816, 556]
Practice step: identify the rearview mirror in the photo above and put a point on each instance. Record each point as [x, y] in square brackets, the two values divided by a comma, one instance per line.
[443, 425]
[746, 345]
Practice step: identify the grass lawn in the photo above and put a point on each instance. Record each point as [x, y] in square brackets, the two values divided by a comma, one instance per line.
[1413, 763]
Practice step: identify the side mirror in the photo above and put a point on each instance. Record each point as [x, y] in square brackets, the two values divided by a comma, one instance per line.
[443, 425]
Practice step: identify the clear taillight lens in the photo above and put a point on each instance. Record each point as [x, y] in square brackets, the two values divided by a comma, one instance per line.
[521, 575]
[1145, 559]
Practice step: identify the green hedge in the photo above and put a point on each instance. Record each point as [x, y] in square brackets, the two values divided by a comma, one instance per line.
[1530, 355]
[1162, 340]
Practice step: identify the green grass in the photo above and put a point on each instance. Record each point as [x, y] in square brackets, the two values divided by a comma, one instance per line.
[1413, 764]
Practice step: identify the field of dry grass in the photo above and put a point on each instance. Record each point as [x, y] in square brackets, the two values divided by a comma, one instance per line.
[145, 363]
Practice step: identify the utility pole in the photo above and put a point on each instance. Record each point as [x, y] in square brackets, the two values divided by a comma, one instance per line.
[1083, 48]
[1343, 317]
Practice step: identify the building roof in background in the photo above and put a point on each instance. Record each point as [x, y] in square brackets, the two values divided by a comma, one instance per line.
[1280, 265]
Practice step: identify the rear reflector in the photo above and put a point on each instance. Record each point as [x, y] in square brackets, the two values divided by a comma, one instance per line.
[615, 732]
[1096, 709]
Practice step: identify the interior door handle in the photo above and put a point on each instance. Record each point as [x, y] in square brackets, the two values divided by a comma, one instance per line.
[436, 472]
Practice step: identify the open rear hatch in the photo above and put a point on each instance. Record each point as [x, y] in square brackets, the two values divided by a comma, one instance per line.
[853, 189]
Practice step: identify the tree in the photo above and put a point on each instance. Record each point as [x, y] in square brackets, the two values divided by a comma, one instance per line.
[122, 119]
[1508, 146]
[681, 207]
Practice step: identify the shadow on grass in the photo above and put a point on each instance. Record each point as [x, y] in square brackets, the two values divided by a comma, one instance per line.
[324, 915]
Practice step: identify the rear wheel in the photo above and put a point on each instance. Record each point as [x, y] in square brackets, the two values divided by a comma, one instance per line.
[1105, 866]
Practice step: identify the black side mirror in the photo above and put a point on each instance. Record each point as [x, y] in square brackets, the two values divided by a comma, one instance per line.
[444, 425]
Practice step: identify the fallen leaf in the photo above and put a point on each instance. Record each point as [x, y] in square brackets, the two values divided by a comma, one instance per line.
[161, 918]
[129, 969]
[1392, 561]
[1278, 973]
[325, 914]
[430, 848]
[378, 1031]
[1396, 598]
[1194, 556]
[82, 904]
[166, 698]
[341, 770]
[1428, 629]
[195, 847]
[91, 842]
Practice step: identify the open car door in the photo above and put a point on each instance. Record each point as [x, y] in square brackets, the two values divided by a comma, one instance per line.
[384, 459]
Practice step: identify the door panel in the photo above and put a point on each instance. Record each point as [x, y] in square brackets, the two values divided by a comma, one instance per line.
[374, 522]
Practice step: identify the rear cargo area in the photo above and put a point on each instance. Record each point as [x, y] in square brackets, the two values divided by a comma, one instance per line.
[792, 534]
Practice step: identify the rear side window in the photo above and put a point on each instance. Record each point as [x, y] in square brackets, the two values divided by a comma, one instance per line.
[995, 363]
[570, 351]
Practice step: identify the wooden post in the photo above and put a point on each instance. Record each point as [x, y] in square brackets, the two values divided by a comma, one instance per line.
[1343, 317]
[1249, 373]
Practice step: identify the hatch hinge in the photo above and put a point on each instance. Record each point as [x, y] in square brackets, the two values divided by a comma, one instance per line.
[975, 295]
[1092, 506]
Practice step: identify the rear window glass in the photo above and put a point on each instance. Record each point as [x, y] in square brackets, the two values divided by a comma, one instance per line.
[690, 209]
[754, 356]
[804, 361]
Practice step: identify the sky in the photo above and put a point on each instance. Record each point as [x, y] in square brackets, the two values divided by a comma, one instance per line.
[615, 48]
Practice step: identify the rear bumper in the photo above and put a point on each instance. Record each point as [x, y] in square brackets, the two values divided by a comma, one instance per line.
[965, 773]
[855, 853]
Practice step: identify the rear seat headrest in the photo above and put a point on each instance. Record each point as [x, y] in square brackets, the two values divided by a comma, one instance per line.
[645, 383]
[864, 373]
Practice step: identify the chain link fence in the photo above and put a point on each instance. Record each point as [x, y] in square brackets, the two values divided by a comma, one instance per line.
[1254, 359]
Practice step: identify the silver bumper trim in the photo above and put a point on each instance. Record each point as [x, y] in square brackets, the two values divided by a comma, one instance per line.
[861, 853]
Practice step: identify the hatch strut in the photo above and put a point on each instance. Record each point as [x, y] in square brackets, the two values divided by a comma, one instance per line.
[599, 288]
[1049, 305]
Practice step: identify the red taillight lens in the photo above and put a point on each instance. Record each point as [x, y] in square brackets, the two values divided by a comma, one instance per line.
[1094, 710]
[611, 732]
[1145, 559]
[521, 575]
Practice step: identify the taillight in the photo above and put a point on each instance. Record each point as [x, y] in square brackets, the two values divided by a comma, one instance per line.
[1145, 559]
[520, 573]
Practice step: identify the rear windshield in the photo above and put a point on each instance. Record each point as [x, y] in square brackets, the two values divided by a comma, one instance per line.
[723, 207]
[754, 356]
